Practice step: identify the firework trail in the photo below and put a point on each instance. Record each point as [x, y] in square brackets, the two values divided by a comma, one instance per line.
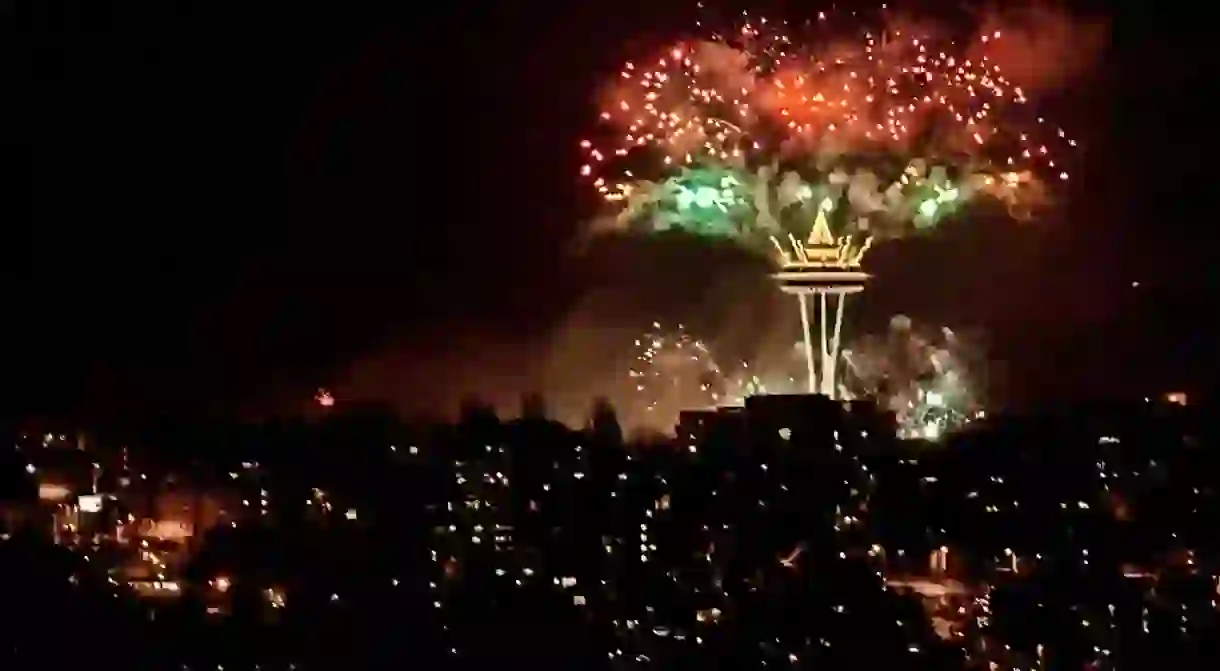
[748, 134]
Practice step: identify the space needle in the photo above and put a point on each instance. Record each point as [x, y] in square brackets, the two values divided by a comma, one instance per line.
[823, 271]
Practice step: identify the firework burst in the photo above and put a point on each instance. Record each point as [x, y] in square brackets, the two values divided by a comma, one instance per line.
[928, 379]
[748, 134]
[673, 371]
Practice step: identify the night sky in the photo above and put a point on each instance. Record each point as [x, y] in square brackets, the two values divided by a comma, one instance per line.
[221, 205]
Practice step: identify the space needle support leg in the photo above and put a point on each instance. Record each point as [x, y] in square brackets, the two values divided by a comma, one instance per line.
[804, 299]
[827, 365]
[834, 348]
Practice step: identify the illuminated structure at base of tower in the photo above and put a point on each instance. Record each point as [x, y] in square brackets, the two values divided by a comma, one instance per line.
[822, 271]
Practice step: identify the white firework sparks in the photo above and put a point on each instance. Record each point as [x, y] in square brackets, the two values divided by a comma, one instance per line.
[928, 381]
[926, 378]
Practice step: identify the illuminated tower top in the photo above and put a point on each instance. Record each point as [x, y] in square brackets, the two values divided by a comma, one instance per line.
[821, 250]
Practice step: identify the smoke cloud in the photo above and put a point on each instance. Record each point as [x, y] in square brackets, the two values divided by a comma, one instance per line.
[719, 293]
[1040, 48]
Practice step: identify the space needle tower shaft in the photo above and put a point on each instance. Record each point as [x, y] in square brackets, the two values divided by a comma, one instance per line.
[827, 271]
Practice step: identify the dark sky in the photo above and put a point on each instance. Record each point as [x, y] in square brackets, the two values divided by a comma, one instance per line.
[209, 203]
